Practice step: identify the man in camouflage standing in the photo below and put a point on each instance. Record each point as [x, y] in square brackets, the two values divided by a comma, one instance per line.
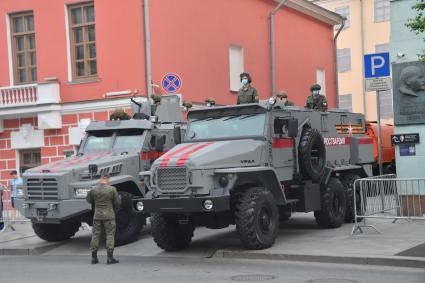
[247, 94]
[317, 101]
[106, 200]
[283, 97]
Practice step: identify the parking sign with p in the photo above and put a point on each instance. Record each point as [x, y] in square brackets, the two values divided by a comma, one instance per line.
[377, 65]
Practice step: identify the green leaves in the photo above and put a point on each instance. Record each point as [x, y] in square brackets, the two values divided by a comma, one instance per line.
[417, 24]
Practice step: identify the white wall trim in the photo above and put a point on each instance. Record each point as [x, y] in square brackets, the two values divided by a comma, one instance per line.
[68, 44]
[9, 50]
[100, 105]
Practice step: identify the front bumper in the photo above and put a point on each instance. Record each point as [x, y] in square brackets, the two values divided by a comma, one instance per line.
[53, 211]
[183, 205]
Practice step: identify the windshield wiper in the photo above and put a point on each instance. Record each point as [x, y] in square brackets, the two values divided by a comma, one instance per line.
[230, 118]
[248, 116]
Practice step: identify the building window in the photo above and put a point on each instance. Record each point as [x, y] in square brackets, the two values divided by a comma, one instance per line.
[344, 60]
[28, 159]
[382, 48]
[344, 12]
[382, 11]
[23, 48]
[82, 40]
[321, 80]
[386, 104]
[236, 66]
[346, 102]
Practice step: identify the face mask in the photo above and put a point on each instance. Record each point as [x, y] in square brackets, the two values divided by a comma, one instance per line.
[284, 100]
[315, 92]
[245, 81]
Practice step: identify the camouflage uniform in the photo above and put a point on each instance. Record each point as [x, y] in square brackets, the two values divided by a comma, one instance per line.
[105, 199]
[247, 95]
[317, 103]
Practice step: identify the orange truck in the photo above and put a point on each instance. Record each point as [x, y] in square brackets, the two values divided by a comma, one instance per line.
[388, 151]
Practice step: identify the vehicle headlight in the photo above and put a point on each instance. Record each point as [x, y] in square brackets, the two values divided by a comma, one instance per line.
[140, 206]
[208, 204]
[82, 192]
[272, 100]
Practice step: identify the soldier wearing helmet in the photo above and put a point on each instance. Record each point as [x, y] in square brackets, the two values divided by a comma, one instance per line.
[316, 101]
[247, 94]
[210, 102]
[282, 96]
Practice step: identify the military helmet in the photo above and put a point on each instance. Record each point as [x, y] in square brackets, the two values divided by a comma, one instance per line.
[187, 104]
[246, 75]
[315, 87]
[282, 94]
[210, 101]
[156, 98]
[119, 114]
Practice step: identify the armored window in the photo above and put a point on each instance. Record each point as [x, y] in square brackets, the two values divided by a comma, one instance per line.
[236, 66]
[344, 60]
[346, 102]
[344, 12]
[382, 10]
[382, 48]
[386, 104]
[82, 40]
[23, 48]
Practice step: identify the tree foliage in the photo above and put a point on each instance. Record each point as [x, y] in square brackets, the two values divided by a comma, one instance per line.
[417, 24]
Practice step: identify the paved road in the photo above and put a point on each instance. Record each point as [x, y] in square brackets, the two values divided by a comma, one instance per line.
[162, 269]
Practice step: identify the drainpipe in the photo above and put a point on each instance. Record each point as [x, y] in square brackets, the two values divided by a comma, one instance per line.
[363, 48]
[336, 59]
[272, 43]
[147, 51]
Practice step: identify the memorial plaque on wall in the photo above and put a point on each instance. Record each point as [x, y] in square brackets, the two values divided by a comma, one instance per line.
[409, 93]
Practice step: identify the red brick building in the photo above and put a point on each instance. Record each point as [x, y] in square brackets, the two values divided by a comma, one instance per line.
[66, 62]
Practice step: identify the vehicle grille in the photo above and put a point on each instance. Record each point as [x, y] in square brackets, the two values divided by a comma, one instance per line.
[42, 188]
[172, 179]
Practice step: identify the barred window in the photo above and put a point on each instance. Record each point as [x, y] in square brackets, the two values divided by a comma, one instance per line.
[23, 48]
[344, 60]
[382, 10]
[346, 102]
[345, 12]
[83, 40]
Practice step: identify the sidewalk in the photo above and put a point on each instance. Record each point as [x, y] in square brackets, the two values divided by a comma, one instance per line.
[399, 244]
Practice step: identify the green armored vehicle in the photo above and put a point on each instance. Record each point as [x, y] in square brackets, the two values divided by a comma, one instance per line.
[252, 165]
[55, 194]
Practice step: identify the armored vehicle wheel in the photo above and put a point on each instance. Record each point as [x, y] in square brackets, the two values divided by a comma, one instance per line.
[257, 219]
[56, 232]
[168, 234]
[333, 203]
[312, 154]
[348, 182]
[129, 223]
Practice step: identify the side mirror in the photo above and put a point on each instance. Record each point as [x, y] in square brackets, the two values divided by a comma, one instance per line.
[159, 143]
[177, 135]
[292, 128]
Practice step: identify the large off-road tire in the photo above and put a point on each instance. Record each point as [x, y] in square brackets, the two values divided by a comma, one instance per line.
[333, 203]
[56, 232]
[348, 182]
[257, 219]
[312, 154]
[129, 223]
[169, 234]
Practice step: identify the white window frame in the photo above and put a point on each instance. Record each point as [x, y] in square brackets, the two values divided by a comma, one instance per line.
[348, 69]
[383, 11]
[236, 66]
[321, 80]
[68, 44]
[9, 51]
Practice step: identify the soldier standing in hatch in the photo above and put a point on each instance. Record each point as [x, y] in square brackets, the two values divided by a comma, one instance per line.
[283, 97]
[316, 101]
[105, 199]
[247, 94]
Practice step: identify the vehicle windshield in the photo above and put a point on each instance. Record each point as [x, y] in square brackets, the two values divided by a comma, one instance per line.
[227, 127]
[127, 139]
[98, 141]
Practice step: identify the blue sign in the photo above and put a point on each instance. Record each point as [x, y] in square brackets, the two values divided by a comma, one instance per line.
[171, 82]
[377, 65]
[407, 150]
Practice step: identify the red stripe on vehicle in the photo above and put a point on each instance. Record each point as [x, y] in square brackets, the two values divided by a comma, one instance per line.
[365, 141]
[166, 158]
[151, 155]
[282, 143]
[182, 160]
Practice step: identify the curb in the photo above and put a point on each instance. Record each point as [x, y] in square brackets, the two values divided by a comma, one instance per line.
[401, 261]
[33, 251]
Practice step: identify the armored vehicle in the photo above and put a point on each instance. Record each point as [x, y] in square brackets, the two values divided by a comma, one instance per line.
[55, 194]
[252, 165]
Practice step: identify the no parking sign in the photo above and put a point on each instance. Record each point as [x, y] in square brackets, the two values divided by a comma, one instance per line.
[171, 83]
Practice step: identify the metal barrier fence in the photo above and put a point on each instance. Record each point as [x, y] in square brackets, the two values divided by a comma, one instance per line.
[9, 215]
[388, 197]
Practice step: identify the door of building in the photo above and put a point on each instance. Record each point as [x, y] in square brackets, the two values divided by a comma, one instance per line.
[29, 158]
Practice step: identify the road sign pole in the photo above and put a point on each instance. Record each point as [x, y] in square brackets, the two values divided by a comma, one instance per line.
[378, 113]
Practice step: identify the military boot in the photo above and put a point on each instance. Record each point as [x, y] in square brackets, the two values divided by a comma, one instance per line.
[94, 259]
[111, 259]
